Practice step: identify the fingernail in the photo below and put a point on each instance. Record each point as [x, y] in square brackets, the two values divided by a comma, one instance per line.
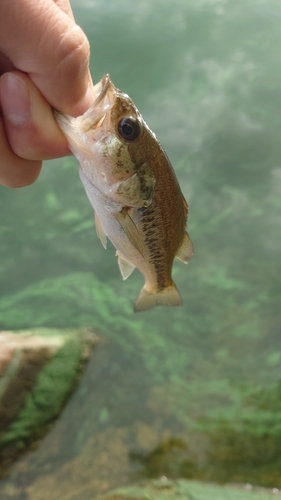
[15, 99]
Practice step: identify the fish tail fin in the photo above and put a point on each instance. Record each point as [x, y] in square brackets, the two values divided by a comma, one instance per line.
[147, 299]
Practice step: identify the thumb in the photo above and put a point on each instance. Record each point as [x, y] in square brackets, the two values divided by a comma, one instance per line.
[51, 48]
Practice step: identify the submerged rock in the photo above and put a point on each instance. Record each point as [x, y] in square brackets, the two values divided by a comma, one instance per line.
[38, 371]
[189, 490]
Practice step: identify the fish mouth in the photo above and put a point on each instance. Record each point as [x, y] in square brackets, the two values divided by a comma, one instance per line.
[104, 84]
[94, 116]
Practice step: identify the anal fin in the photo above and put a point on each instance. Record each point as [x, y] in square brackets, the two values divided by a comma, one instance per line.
[100, 232]
[185, 251]
[126, 268]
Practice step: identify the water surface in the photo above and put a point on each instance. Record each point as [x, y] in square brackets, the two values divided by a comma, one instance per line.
[191, 391]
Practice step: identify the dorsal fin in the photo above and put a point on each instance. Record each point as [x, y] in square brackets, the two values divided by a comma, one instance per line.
[185, 251]
[185, 207]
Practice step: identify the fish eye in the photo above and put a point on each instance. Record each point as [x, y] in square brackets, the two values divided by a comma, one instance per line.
[129, 128]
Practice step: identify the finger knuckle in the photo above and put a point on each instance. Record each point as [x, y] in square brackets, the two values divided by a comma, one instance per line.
[73, 53]
[18, 178]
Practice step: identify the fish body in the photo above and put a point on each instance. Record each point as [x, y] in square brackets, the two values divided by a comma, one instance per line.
[133, 189]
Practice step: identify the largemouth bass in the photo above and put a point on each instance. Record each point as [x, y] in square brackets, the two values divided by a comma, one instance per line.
[133, 189]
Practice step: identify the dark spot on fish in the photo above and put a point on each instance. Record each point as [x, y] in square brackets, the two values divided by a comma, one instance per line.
[142, 210]
[119, 164]
[148, 219]
[150, 227]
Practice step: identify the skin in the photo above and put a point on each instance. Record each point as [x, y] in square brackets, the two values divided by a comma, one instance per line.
[44, 63]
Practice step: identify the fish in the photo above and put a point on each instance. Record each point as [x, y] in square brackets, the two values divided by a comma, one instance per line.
[133, 189]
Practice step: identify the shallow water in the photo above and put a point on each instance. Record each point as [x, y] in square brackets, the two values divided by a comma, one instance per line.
[191, 391]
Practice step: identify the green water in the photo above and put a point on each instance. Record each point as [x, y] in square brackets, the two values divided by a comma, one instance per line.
[192, 391]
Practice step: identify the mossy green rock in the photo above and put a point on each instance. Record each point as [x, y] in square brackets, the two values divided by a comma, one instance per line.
[188, 490]
[39, 369]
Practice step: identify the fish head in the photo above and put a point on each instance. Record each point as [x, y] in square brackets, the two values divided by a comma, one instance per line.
[109, 139]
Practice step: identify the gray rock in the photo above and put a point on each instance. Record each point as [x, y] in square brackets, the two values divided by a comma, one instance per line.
[38, 371]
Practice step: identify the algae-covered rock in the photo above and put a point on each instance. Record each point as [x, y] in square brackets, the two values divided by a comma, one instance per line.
[38, 371]
[188, 490]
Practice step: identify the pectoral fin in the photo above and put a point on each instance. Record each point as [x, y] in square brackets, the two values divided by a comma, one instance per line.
[137, 190]
[126, 268]
[100, 232]
[129, 228]
[185, 251]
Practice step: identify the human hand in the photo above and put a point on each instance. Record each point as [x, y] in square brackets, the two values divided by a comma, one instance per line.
[44, 59]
